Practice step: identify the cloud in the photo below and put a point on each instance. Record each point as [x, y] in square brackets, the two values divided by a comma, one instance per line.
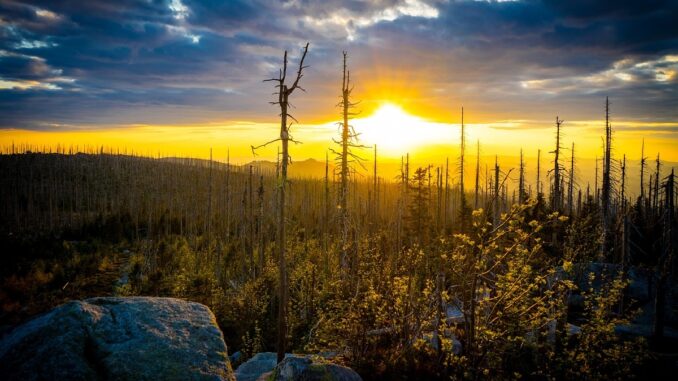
[623, 73]
[22, 72]
[352, 20]
[135, 61]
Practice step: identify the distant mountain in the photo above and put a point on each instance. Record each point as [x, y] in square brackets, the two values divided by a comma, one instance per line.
[309, 168]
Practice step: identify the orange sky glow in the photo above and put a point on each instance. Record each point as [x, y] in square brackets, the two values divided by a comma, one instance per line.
[395, 130]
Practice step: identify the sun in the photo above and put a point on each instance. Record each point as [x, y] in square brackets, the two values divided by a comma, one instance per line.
[396, 131]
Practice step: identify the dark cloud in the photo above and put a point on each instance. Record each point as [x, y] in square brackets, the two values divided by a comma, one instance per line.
[591, 9]
[223, 15]
[26, 68]
[108, 62]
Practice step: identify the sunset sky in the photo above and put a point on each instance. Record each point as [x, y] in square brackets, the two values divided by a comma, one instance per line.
[178, 77]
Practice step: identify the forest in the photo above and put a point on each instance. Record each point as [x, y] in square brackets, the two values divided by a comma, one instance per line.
[466, 270]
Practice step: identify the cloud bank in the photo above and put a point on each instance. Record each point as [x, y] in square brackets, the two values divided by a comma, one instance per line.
[181, 61]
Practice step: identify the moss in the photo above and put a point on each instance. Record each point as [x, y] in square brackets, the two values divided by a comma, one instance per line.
[320, 371]
[273, 375]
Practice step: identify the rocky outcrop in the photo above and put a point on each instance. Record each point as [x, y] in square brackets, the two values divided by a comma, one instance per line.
[254, 368]
[263, 367]
[308, 369]
[134, 338]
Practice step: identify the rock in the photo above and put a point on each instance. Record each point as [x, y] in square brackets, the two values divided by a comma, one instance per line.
[453, 314]
[640, 286]
[573, 329]
[306, 369]
[456, 346]
[294, 367]
[235, 358]
[258, 365]
[134, 338]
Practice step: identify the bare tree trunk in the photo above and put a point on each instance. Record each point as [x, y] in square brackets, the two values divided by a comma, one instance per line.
[562, 192]
[555, 195]
[656, 186]
[650, 191]
[642, 171]
[607, 186]
[348, 141]
[570, 190]
[439, 199]
[495, 199]
[284, 91]
[595, 184]
[475, 203]
[622, 190]
[343, 190]
[228, 195]
[538, 172]
[260, 224]
[250, 219]
[280, 238]
[521, 180]
[375, 190]
[326, 214]
[462, 194]
[447, 192]
[487, 184]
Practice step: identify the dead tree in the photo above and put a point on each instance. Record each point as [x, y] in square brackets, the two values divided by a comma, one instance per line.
[463, 207]
[283, 91]
[562, 191]
[643, 163]
[495, 198]
[595, 183]
[521, 180]
[655, 204]
[441, 201]
[326, 214]
[228, 194]
[475, 206]
[345, 158]
[250, 219]
[209, 210]
[556, 191]
[447, 191]
[622, 187]
[570, 185]
[607, 186]
[462, 148]
[260, 223]
[375, 189]
[538, 186]
[648, 203]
